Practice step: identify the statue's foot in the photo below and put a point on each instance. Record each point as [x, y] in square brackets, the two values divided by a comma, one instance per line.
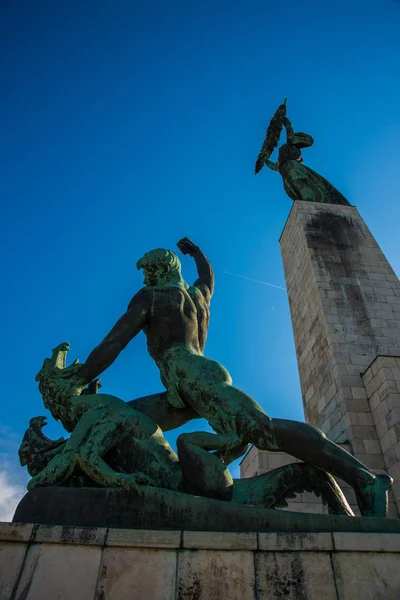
[373, 497]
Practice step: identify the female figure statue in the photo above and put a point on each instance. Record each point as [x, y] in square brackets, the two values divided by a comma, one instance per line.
[300, 182]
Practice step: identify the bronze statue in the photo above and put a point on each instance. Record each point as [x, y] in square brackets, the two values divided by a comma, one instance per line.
[174, 317]
[113, 445]
[300, 182]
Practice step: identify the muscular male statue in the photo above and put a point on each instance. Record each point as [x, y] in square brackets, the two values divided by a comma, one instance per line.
[174, 317]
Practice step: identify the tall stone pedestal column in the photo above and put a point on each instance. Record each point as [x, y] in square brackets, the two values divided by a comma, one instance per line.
[345, 306]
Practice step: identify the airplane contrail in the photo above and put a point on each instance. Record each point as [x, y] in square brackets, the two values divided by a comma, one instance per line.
[279, 287]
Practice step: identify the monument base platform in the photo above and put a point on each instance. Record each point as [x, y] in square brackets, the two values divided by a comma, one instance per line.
[42, 562]
[155, 508]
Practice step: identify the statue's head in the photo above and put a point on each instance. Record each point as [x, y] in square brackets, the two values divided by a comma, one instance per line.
[303, 140]
[160, 267]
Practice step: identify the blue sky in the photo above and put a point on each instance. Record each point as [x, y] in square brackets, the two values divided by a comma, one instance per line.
[128, 125]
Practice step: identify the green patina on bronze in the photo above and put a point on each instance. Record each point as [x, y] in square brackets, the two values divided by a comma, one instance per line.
[300, 182]
[114, 445]
[118, 444]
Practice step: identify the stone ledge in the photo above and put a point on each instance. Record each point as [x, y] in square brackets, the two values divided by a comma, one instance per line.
[139, 538]
[217, 540]
[15, 532]
[202, 540]
[366, 542]
[59, 534]
[302, 542]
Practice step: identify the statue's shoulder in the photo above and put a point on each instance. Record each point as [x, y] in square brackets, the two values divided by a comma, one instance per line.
[142, 297]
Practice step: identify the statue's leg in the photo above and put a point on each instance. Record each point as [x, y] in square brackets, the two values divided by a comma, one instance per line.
[162, 412]
[201, 458]
[206, 386]
[313, 447]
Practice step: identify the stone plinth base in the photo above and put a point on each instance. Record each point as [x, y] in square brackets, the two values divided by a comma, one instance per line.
[154, 508]
[47, 562]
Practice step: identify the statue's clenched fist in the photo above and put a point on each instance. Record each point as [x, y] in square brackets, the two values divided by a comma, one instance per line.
[186, 246]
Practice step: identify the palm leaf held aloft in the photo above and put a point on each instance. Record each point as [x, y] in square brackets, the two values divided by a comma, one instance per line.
[272, 137]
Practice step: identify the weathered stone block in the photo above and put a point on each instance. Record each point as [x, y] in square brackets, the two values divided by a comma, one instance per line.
[209, 575]
[367, 376]
[380, 412]
[370, 576]
[294, 576]
[393, 417]
[219, 540]
[372, 447]
[357, 405]
[388, 440]
[393, 401]
[284, 542]
[68, 572]
[374, 400]
[11, 559]
[143, 538]
[70, 535]
[366, 542]
[15, 532]
[142, 574]
[390, 457]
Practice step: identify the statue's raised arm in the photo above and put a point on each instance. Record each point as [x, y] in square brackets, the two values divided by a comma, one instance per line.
[205, 281]
[290, 135]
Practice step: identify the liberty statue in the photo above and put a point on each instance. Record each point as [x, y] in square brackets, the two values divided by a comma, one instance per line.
[300, 182]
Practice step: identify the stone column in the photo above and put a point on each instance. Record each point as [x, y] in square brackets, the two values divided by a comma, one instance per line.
[345, 306]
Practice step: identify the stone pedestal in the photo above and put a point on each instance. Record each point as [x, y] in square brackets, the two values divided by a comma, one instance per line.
[345, 306]
[155, 508]
[71, 563]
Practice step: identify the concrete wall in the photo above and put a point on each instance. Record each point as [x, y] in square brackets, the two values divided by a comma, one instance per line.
[70, 563]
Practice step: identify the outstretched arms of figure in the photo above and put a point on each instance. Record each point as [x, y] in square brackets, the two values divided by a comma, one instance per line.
[120, 335]
[205, 280]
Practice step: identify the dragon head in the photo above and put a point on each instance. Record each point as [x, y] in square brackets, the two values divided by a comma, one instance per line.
[58, 383]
